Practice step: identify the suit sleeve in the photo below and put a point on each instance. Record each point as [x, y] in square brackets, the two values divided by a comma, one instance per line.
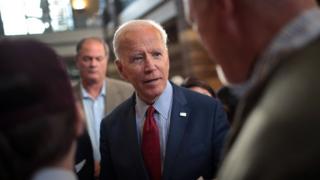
[84, 154]
[221, 128]
[107, 170]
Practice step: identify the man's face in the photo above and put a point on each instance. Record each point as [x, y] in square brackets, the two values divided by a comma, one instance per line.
[143, 61]
[92, 61]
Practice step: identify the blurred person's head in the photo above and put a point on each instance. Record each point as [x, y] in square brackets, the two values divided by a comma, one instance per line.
[92, 60]
[235, 33]
[199, 86]
[142, 57]
[39, 120]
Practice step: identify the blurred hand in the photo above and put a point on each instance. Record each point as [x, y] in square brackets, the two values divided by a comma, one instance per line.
[96, 169]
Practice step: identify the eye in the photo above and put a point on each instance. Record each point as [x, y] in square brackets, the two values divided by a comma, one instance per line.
[157, 55]
[137, 58]
[86, 58]
[100, 58]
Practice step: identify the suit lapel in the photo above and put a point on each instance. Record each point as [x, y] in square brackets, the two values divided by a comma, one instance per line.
[178, 122]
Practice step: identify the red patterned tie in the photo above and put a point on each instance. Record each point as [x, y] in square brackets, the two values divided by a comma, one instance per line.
[151, 146]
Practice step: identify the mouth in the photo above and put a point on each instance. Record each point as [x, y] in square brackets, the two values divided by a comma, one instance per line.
[151, 81]
[90, 71]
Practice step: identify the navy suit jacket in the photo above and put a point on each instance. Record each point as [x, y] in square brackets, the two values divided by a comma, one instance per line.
[193, 146]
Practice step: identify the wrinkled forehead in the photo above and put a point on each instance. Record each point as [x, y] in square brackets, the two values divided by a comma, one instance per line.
[94, 45]
[139, 39]
[136, 31]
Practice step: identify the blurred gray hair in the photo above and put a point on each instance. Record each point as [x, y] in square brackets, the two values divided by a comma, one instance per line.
[98, 39]
[121, 29]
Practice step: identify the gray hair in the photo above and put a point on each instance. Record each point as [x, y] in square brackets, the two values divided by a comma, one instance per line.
[122, 29]
[100, 40]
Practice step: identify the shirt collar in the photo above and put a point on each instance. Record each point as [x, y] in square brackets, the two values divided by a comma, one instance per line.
[86, 95]
[161, 104]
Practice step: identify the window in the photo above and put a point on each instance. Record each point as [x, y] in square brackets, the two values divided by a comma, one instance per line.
[35, 16]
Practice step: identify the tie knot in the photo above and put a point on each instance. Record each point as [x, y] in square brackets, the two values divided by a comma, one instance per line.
[150, 111]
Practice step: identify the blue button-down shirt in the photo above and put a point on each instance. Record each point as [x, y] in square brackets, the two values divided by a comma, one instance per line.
[94, 111]
[163, 107]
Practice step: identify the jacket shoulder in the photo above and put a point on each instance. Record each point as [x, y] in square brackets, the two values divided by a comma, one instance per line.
[121, 110]
[119, 83]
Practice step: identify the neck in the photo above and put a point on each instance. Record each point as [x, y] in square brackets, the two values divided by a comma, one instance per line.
[148, 101]
[93, 88]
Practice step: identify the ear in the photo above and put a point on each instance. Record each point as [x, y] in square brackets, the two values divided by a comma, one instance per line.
[120, 68]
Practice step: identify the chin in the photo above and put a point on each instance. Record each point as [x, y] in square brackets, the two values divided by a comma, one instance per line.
[156, 94]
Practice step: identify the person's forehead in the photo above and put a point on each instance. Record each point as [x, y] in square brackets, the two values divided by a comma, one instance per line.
[92, 46]
[92, 43]
[137, 32]
[138, 38]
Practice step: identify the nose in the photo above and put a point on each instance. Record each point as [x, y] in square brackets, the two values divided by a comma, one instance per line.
[149, 64]
[93, 62]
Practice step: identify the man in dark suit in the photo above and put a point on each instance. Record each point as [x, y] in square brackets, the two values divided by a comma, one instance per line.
[188, 129]
[271, 48]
